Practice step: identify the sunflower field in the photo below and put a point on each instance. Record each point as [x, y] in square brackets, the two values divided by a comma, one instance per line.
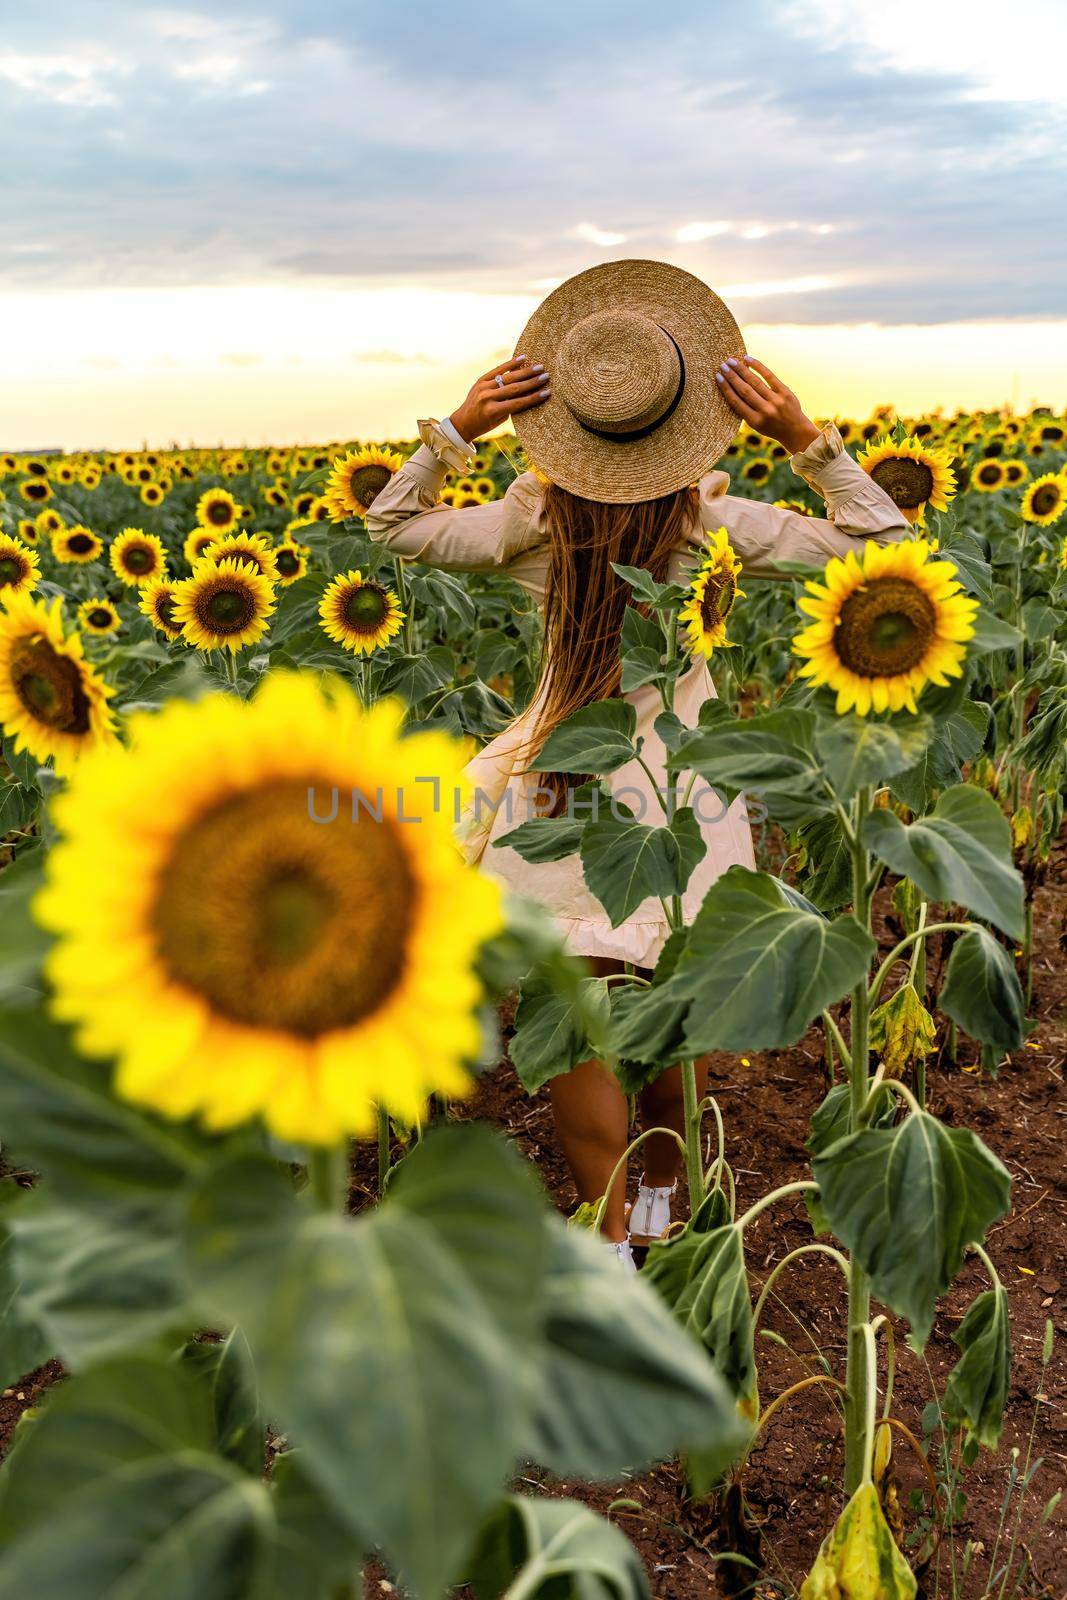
[277, 1315]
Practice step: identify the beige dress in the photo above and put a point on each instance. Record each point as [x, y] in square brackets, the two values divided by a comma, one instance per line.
[508, 536]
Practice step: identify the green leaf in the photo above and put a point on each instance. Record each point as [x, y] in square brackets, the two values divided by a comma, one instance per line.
[23, 942]
[768, 754]
[415, 677]
[857, 751]
[58, 1112]
[622, 1385]
[958, 735]
[830, 1119]
[959, 854]
[702, 1278]
[316, 1557]
[625, 862]
[99, 1279]
[389, 1345]
[23, 1344]
[642, 647]
[226, 1370]
[116, 1490]
[597, 738]
[760, 964]
[555, 1550]
[907, 1201]
[544, 838]
[981, 992]
[990, 633]
[977, 1388]
[827, 877]
[555, 1030]
[645, 587]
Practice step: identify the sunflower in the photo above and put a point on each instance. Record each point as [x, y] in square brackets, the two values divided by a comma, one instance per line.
[76, 546]
[275, 495]
[137, 557]
[291, 561]
[712, 594]
[36, 490]
[27, 530]
[913, 475]
[886, 627]
[217, 509]
[224, 605]
[795, 505]
[359, 613]
[758, 470]
[1015, 473]
[248, 959]
[1044, 500]
[196, 543]
[356, 481]
[90, 476]
[989, 475]
[52, 703]
[64, 473]
[156, 601]
[19, 566]
[250, 547]
[98, 616]
[1051, 431]
[152, 494]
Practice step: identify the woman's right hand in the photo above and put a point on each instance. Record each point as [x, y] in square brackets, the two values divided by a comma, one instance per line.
[490, 403]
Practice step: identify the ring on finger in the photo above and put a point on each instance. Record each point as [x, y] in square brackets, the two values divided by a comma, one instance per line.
[499, 380]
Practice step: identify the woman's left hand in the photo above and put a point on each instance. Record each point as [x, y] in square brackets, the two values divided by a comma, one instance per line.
[762, 399]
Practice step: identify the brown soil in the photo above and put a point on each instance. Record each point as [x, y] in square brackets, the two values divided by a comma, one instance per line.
[789, 1486]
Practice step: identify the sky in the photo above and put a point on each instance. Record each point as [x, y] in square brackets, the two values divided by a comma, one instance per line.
[259, 221]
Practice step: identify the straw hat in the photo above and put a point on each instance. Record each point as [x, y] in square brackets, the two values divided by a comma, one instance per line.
[631, 348]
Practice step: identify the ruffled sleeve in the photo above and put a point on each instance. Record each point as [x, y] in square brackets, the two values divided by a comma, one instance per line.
[408, 519]
[764, 535]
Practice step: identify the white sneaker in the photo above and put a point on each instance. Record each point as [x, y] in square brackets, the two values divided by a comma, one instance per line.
[650, 1214]
[623, 1253]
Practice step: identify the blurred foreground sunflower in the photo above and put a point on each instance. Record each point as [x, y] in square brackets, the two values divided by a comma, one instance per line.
[52, 702]
[224, 605]
[19, 566]
[356, 480]
[1044, 500]
[137, 557]
[248, 956]
[885, 627]
[712, 594]
[914, 475]
[359, 614]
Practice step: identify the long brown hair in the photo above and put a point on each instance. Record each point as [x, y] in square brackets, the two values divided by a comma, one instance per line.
[585, 600]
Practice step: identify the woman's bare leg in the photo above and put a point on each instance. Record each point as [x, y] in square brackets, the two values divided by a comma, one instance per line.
[592, 1125]
[663, 1106]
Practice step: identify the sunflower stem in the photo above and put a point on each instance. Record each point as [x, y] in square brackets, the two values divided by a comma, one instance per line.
[327, 1171]
[857, 1377]
[693, 1112]
[403, 594]
[385, 1150]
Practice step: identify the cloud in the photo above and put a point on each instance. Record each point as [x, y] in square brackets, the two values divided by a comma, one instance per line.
[791, 142]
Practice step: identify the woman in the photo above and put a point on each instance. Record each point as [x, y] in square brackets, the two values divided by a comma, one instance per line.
[631, 381]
